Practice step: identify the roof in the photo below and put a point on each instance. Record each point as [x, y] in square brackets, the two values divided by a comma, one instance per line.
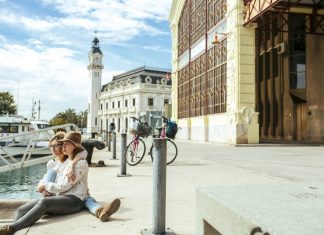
[95, 46]
[140, 74]
[141, 69]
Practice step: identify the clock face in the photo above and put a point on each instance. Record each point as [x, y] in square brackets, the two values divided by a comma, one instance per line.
[97, 61]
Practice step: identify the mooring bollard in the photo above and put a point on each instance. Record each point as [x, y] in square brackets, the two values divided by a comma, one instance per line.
[159, 189]
[109, 141]
[123, 155]
[106, 138]
[114, 145]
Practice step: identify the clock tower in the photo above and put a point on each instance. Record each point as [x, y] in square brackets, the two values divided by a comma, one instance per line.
[95, 68]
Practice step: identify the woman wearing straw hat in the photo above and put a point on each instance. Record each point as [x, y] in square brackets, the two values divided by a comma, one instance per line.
[70, 195]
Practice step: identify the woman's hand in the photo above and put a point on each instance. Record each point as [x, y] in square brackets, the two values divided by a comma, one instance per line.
[40, 187]
[71, 175]
[46, 193]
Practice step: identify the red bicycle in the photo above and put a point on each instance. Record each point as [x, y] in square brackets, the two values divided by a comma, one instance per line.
[135, 150]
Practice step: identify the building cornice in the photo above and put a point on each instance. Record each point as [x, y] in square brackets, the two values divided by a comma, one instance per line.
[176, 10]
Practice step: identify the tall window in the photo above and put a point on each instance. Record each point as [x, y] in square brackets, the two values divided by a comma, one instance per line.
[297, 59]
[201, 78]
[150, 102]
[134, 102]
[126, 103]
[118, 104]
[113, 105]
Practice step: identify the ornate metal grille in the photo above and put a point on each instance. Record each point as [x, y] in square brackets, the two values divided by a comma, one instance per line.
[183, 31]
[216, 77]
[198, 20]
[202, 81]
[216, 12]
[183, 92]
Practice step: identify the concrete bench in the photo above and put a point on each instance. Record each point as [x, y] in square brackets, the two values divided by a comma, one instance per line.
[269, 209]
[8, 210]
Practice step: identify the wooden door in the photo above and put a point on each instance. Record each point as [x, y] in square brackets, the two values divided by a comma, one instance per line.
[301, 122]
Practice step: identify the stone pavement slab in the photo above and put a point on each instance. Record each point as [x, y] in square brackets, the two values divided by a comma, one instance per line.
[198, 165]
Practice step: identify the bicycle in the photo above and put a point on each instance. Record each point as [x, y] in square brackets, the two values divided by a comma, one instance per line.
[135, 150]
[168, 132]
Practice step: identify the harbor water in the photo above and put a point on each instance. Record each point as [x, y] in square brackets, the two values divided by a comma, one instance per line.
[21, 183]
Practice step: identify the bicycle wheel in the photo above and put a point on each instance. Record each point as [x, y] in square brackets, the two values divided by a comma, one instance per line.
[172, 151]
[135, 152]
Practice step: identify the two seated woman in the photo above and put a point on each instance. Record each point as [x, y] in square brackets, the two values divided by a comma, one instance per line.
[65, 186]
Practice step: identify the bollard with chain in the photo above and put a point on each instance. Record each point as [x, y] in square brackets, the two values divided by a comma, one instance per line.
[123, 155]
[159, 189]
[114, 145]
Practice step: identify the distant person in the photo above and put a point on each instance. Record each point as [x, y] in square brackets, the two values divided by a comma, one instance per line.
[68, 196]
[112, 127]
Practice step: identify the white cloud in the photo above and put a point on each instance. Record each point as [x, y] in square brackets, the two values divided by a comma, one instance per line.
[52, 75]
[155, 48]
[50, 64]
[30, 23]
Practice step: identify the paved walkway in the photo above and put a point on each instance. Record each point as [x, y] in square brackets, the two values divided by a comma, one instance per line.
[198, 165]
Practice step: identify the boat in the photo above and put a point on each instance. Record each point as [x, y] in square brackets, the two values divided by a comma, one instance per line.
[22, 141]
[12, 126]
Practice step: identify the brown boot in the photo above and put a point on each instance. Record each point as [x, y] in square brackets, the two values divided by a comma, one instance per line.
[103, 213]
[7, 230]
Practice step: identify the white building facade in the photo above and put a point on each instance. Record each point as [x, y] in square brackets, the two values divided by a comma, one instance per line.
[141, 93]
[213, 72]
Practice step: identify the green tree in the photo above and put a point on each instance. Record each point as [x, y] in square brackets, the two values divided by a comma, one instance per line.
[7, 103]
[83, 117]
[70, 116]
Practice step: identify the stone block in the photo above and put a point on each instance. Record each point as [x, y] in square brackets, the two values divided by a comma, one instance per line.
[274, 209]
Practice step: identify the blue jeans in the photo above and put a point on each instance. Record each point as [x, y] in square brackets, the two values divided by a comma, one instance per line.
[90, 202]
[50, 176]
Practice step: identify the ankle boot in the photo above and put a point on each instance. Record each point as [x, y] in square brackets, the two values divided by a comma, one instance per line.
[7, 230]
[98, 212]
[105, 212]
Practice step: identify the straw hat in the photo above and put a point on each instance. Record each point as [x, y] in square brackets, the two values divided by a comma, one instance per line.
[74, 137]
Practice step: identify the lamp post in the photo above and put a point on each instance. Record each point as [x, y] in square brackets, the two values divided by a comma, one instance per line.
[163, 83]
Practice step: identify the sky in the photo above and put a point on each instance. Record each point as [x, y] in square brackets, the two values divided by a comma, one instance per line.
[44, 46]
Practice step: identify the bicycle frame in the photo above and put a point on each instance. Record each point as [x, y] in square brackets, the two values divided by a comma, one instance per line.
[136, 149]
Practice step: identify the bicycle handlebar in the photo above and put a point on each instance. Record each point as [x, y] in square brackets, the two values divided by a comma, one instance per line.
[137, 119]
[165, 120]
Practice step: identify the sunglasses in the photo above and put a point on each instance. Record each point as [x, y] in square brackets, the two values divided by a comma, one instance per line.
[56, 146]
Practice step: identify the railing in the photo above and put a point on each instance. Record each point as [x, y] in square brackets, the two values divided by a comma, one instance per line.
[27, 144]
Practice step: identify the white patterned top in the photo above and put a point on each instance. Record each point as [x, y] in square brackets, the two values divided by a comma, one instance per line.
[62, 186]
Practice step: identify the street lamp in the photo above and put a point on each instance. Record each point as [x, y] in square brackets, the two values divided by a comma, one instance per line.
[216, 38]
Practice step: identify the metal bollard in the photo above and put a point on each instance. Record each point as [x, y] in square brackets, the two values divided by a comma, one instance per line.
[123, 155]
[109, 141]
[159, 189]
[106, 138]
[114, 145]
